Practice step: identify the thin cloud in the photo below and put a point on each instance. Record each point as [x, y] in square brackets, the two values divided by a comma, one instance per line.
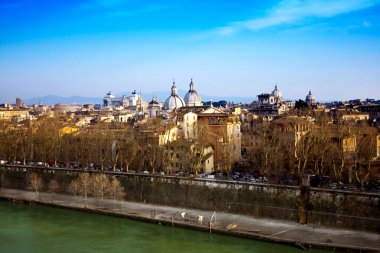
[294, 12]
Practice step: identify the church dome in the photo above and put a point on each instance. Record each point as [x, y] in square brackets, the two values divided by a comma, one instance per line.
[174, 101]
[192, 97]
[276, 92]
[310, 100]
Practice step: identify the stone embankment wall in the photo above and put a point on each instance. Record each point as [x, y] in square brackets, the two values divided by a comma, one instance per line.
[345, 209]
[355, 210]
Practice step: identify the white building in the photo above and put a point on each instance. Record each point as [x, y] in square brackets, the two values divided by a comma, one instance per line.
[111, 101]
[271, 104]
[154, 108]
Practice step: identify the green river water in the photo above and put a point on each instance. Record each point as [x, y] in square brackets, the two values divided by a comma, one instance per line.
[33, 228]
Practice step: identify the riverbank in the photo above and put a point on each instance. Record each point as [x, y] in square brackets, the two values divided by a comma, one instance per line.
[279, 231]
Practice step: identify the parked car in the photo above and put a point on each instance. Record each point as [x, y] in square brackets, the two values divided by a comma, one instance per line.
[202, 175]
[210, 177]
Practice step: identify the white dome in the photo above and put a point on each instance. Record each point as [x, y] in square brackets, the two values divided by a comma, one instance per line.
[174, 101]
[192, 97]
[310, 98]
[276, 92]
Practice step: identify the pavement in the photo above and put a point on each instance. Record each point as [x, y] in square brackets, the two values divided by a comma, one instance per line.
[303, 236]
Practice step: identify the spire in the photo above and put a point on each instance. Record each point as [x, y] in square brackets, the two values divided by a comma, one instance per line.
[309, 92]
[174, 89]
[191, 85]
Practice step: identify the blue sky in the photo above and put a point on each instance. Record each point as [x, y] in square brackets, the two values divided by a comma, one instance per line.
[232, 48]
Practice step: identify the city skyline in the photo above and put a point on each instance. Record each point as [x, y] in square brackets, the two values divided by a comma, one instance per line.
[235, 49]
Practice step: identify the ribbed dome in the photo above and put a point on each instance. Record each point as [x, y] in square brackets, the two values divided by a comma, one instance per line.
[174, 101]
[276, 92]
[310, 100]
[192, 97]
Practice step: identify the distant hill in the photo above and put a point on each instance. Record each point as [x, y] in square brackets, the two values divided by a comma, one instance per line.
[53, 99]
[162, 95]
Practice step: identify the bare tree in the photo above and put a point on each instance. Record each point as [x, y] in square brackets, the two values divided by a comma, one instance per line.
[74, 188]
[128, 148]
[364, 156]
[48, 137]
[228, 150]
[35, 181]
[3, 181]
[266, 152]
[303, 152]
[103, 143]
[10, 142]
[168, 155]
[197, 147]
[85, 186]
[149, 144]
[116, 191]
[28, 145]
[321, 150]
[100, 185]
[53, 187]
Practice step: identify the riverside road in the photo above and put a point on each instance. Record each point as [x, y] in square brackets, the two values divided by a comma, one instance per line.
[238, 225]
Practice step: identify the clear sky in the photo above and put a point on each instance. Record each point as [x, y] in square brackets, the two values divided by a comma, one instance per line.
[230, 48]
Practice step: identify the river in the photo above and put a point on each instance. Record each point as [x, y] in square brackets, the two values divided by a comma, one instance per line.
[40, 229]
